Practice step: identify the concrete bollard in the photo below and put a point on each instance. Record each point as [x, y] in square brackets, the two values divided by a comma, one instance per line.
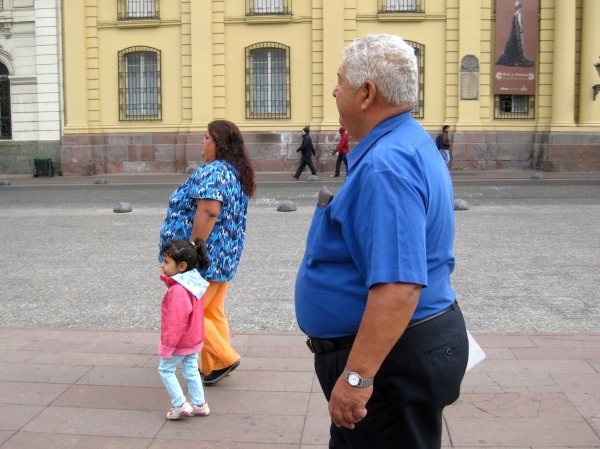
[460, 205]
[286, 206]
[122, 208]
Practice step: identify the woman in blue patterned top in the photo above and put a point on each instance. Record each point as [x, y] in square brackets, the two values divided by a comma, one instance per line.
[212, 204]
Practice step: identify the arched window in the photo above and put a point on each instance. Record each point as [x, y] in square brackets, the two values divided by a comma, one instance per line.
[139, 84]
[398, 6]
[137, 9]
[5, 116]
[262, 7]
[419, 109]
[268, 81]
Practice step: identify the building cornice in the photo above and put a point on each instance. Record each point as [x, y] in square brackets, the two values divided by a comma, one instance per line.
[274, 19]
[20, 80]
[151, 23]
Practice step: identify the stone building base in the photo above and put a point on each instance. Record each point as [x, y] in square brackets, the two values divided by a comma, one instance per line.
[87, 154]
[16, 157]
[545, 151]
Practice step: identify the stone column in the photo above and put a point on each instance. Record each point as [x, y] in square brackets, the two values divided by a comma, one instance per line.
[563, 67]
[589, 111]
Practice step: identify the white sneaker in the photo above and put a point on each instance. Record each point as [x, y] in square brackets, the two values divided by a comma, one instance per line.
[200, 410]
[180, 412]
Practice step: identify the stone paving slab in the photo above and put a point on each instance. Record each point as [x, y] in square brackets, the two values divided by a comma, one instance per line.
[523, 396]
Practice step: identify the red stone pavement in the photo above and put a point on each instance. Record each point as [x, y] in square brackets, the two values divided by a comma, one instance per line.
[76, 388]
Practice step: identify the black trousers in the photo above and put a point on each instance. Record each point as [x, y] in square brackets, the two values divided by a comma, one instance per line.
[306, 160]
[419, 377]
[338, 163]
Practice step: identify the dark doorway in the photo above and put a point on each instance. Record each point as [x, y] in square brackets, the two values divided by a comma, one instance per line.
[5, 118]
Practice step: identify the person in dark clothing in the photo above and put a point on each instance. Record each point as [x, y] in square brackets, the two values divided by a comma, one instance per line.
[341, 150]
[308, 151]
[445, 144]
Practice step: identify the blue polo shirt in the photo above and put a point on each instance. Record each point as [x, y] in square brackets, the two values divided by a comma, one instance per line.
[392, 221]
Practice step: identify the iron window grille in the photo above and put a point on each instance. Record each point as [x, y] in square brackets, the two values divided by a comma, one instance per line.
[514, 107]
[140, 84]
[396, 6]
[5, 113]
[268, 7]
[419, 108]
[137, 9]
[1, 5]
[268, 81]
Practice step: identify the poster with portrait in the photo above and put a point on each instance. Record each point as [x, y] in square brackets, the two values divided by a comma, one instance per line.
[516, 55]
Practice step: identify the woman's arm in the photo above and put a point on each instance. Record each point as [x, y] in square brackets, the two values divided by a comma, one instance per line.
[206, 216]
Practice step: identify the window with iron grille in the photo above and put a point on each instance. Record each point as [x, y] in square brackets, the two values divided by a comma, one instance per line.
[5, 114]
[137, 9]
[419, 108]
[265, 7]
[395, 6]
[268, 81]
[1, 5]
[139, 84]
[514, 107]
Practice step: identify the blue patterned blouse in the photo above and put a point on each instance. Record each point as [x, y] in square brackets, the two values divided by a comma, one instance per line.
[217, 180]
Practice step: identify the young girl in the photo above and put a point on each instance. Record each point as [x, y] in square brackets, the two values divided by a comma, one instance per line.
[182, 324]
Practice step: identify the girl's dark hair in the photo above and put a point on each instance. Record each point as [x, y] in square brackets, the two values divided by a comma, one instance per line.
[230, 147]
[181, 250]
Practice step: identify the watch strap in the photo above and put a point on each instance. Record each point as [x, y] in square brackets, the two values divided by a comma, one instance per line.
[362, 383]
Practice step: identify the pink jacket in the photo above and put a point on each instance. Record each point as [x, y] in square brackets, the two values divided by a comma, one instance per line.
[182, 324]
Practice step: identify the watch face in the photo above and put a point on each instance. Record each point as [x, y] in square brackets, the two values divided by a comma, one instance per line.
[353, 379]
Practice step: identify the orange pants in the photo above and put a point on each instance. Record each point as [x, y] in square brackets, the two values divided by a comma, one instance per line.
[217, 352]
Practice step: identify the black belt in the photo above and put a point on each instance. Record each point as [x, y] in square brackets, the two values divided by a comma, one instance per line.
[323, 345]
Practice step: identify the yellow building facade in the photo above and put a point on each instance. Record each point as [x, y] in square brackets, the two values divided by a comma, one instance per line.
[143, 78]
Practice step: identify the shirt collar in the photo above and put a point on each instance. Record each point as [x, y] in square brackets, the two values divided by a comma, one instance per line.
[373, 136]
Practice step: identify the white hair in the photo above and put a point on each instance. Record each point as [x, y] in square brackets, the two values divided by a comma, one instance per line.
[389, 62]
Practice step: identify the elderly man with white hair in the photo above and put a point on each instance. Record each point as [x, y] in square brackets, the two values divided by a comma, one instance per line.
[373, 291]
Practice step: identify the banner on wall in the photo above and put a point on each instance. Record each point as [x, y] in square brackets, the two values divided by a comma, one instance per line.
[517, 30]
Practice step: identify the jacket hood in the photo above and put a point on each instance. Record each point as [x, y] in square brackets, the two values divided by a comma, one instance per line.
[190, 280]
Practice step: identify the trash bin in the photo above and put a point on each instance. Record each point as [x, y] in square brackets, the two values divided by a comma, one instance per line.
[42, 167]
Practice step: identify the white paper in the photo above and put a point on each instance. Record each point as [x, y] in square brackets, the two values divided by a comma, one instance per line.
[476, 354]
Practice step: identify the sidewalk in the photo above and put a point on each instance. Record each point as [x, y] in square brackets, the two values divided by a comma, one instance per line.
[66, 388]
[177, 178]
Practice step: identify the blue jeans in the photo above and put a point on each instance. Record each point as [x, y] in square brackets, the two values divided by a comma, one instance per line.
[445, 155]
[189, 366]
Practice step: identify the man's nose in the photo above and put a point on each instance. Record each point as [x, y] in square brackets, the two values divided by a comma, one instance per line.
[334, 93]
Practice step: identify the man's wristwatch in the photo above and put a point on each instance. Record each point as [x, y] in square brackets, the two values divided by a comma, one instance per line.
[355, 380]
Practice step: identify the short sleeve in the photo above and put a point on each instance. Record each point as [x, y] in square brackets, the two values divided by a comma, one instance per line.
[210, 183]
[393, 237]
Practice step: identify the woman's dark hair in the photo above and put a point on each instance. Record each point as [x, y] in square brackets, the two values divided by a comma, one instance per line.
[194, 254]
[230, 147]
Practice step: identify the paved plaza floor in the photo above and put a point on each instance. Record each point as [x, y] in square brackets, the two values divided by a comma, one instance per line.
[80, 296]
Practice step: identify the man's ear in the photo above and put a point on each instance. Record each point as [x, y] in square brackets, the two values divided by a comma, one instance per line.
[369, 93]
[182, 267]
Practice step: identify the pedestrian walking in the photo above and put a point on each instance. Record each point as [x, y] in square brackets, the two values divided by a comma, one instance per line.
[389, 353]
[308, 152]
[445, 144]
[341, 150]
[182, 324]
[213, 204]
